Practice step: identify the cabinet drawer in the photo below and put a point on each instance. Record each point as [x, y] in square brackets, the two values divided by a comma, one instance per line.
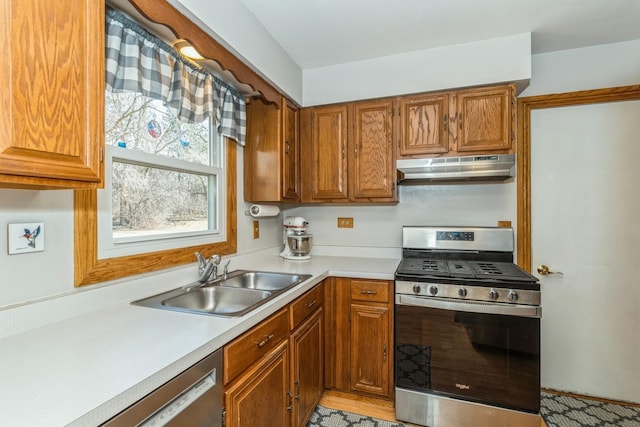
[305, 305]
[242, 352]
[370, 290]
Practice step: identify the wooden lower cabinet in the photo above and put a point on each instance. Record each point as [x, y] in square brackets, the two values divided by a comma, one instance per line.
[307, 368]
[261, 397]
[274, 373]
[370, 349]
[358, 337]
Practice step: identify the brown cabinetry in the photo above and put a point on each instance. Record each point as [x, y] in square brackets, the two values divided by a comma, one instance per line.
[307, 368]
[359, 325]
[463, 122]
[261, 397]
[52, 79]
[323, 136]
[348, 153]
[271, 155]
[273, 374]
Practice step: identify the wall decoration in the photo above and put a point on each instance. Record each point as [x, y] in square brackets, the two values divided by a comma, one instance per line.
[25, 237]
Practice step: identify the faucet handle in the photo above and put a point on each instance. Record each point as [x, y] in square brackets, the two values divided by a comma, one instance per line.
[201, 261]
[226, 268]
[215, 259]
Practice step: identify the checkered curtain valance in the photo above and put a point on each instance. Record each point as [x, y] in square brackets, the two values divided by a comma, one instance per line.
[137, 61]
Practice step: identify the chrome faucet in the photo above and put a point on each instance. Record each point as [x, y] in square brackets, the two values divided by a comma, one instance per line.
[207, 267]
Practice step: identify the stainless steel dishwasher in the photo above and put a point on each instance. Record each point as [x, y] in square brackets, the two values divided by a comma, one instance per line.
[193, 398]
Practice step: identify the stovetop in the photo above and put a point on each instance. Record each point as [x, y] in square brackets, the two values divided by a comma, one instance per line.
[462, 269]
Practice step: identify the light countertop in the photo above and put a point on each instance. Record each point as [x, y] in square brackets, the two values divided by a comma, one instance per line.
[81, 371]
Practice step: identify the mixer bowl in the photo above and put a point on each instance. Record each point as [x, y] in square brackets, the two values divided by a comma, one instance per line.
[300, 245]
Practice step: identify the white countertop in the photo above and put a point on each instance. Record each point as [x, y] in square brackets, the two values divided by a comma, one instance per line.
[83, 370]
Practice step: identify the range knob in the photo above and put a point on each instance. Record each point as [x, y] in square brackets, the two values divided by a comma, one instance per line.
[433, 290]
[416, 289]
[512, 296]
[462, 292]
[493, 294]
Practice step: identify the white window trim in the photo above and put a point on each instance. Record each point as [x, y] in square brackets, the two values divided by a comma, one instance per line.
[108, 248]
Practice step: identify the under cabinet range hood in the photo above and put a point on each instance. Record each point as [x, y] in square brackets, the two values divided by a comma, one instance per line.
[493, 167]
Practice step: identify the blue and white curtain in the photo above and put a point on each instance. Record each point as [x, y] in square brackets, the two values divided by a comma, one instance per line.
[137, 61]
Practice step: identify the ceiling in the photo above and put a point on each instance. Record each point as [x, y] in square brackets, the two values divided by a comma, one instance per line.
[317, 33]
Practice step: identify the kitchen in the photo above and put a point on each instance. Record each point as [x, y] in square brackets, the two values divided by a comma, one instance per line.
[42, 276]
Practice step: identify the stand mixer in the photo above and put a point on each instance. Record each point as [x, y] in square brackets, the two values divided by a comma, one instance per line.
[297, 243]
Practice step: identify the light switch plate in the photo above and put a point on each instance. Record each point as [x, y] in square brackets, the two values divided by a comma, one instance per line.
[25, 237]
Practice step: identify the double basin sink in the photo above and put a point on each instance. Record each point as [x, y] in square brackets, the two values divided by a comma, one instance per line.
[238, 293]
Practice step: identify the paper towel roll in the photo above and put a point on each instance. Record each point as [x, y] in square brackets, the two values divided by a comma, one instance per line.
[259, 211]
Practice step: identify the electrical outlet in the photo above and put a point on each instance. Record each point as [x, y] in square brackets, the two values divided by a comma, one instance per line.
[345, 222]
[25, 237]
[256, 229]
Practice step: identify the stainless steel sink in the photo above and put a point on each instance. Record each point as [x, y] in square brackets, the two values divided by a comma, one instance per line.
[261, 280]
[239, 293]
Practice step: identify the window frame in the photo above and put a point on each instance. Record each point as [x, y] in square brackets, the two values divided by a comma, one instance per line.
[90, 269]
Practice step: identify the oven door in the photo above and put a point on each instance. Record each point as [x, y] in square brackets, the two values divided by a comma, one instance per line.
[470, 351]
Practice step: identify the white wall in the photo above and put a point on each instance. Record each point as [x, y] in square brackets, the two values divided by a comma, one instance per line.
[484, 62]
[610, 65]
[380, 226]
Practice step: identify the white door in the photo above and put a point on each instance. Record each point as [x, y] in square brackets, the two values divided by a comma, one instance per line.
[585, 207]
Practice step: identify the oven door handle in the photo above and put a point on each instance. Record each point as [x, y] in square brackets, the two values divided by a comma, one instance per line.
[471, 307]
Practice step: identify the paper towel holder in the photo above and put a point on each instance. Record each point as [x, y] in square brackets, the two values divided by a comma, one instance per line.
[263, 211]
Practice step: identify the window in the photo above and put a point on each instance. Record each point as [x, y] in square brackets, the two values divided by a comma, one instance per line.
[175, 189]
[164, 178]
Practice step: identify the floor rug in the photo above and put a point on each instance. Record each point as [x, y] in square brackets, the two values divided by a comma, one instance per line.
[557, 411]
[325, 417]
[566, 411]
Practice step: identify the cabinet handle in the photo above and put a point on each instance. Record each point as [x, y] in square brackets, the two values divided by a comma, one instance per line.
[297, 389]
[342, 151]
[311, 304]
[266, 339]
[444, 122]
[286, 147]
[367, 292]
[460, 119]
[384, 353]
[355, 150]
[290, 407]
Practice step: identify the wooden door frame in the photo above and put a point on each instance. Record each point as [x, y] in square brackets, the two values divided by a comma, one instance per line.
[523, 152]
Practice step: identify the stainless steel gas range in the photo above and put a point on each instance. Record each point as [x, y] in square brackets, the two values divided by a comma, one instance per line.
[467, 330]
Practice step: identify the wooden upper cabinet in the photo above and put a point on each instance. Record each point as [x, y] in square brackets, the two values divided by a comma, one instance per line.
[52, 97]
[485, 119]
[458, 123]
[348, 152]
[290, 152]
[424, 124]
[271, 154]
[372, 168]
[324, 154]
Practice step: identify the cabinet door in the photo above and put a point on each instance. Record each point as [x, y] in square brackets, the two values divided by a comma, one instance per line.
[52, 97]
[324, 154]
[370, 350]
[290, 152]
[372, 166]
[424, 125]
[261, 397]
[261, 158]
[307, 376]
[485, 119]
